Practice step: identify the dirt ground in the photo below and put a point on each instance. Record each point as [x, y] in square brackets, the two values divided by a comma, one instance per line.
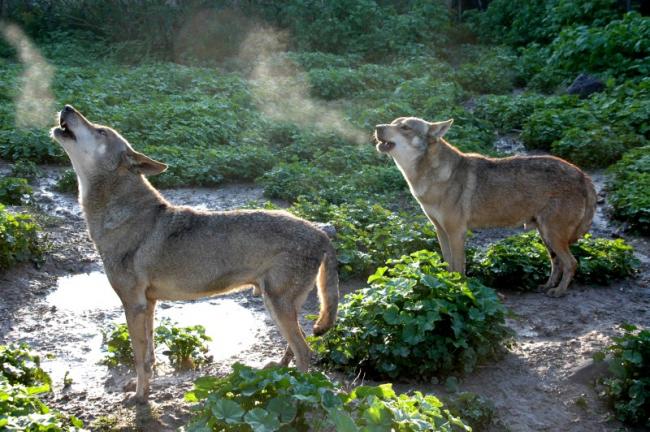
[544, 382]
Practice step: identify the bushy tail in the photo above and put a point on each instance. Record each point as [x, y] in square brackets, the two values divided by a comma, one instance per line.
[590, 208]
[328, 291]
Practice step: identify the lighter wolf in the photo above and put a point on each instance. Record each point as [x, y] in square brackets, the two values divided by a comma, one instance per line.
[460, 191]
[153, 250]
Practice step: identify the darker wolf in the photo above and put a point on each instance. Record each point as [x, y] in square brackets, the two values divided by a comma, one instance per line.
[153, 250]
[460, 191]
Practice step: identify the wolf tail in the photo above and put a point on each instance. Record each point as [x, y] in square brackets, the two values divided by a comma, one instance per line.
[328, 290]
[590, 208]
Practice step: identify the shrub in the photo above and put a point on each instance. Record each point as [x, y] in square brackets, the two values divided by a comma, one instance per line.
[26, 169]
[620, 49]
[630, 189]
[19, 240]
[368, 234]
[507, 113]
[186, 347]
[629, 387]
[415, 312]
[278, 399]
[595, 148]
[521, 262]
[14, 191]
[491, 72]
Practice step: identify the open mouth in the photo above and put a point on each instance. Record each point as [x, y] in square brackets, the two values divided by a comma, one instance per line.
[385, 146]
[65, 131]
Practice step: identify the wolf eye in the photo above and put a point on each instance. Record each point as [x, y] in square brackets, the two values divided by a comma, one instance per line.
[102, 132]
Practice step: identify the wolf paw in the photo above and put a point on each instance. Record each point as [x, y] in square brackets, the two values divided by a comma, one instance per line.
[556, 292]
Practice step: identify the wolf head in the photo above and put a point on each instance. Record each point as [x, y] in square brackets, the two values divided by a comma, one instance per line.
[406, 138]
[96, 150]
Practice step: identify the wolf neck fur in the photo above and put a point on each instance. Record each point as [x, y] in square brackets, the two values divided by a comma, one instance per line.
[112, 201]
[435, 165]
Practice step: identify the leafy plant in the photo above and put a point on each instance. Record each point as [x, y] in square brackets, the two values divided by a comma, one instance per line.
[118, 346]
[521, 262]
[21, 381]
[19, 240]
[415, 312]
[26, 169]
[186, 347]
[630, 189]
[14, 191]
[595, 148]
[368, 234]
[280, 399]
[629, 387]
[19, 365]
[67, 182]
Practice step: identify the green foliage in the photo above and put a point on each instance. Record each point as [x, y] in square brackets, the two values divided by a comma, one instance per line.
[521, 262]
[118, 346]
[26, 169]
[520, 23]
[630, 189]
[21, 381]
[19, 240]
[621, 48]
[475, 410]
[415, 312]
[629, 387]
[14, 191]
[186, 347]
[492, 71]
[67, 182]
[282, 399]
[368, 234]
[595, 148]
[507, 113]
[19, 365]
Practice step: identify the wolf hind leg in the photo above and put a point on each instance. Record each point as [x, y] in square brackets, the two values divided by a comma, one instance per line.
[556, 266]
[285, 315]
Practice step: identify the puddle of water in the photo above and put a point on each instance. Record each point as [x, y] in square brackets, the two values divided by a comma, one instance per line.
[86, 304]
[84, 292]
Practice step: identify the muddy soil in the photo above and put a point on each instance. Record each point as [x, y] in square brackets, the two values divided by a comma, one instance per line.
[544, 382]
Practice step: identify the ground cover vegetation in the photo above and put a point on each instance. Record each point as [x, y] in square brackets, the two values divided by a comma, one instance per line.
[186, 347]
[283, 399]
[628, 385]
[22, 380]
[214, 115]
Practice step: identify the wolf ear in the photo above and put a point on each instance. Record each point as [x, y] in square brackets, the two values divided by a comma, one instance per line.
[140, 164]
[438, 129]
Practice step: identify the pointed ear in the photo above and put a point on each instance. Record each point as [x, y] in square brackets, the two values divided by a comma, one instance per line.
[439, 129]
[140, 164]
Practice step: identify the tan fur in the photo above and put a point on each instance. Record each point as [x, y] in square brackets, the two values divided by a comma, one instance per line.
[460, 191]
[153, 250]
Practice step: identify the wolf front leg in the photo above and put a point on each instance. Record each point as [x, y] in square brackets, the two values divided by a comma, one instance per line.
[456, 237]
[139, 319]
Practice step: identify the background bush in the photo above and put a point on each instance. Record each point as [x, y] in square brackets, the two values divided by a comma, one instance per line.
[522, 262]
[630, 189]
[415, 312]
